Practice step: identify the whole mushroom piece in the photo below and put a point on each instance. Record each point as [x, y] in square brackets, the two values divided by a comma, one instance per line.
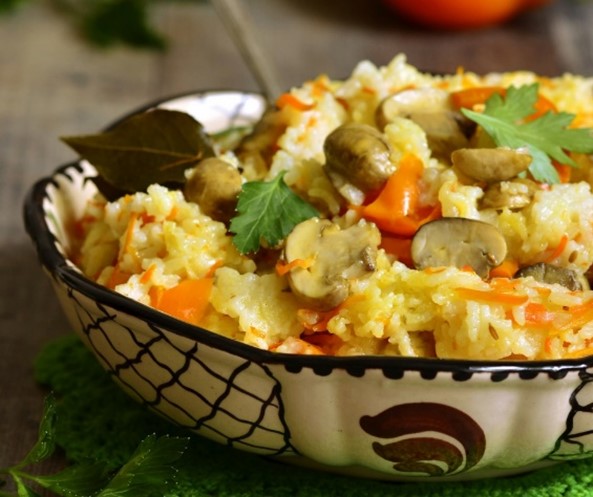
[430, 108]
[214, 185]
[329, 257]
[459, 242]
[491, 164]
[357, 160]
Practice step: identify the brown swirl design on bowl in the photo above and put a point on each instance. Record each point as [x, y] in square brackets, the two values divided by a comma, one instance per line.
[426, 453]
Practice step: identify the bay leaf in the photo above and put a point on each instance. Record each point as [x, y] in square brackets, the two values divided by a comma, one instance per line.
[155, 146]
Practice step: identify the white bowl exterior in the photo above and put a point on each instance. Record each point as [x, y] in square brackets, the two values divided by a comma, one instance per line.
[268, 410]
[521, 420]
[480, 425]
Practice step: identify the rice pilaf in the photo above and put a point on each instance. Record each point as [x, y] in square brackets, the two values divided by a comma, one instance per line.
[144, 244]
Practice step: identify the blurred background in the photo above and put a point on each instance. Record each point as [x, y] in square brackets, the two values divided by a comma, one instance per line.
[74, 66]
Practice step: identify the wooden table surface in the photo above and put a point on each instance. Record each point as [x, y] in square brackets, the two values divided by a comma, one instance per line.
[53, 83]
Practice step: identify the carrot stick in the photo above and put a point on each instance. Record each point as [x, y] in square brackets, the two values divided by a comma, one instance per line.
[283, 268]
[557, 252]
[491, 296]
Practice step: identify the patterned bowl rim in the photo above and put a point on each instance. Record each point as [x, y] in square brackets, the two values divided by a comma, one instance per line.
[60, 269]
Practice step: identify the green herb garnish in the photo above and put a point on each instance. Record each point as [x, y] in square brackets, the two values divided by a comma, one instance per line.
[149, 472]
[151, 147]
[106, 23]
[547, 137]
[268, 211]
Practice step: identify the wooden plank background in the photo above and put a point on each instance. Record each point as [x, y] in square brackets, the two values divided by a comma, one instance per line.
[53, 83]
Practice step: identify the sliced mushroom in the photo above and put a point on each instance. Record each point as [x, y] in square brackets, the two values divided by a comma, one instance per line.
[214, 185]
[430, 108]
[330, 257]
[459, 242]
[548, 273]
[491, 164]
[357, 160]
[513, 195]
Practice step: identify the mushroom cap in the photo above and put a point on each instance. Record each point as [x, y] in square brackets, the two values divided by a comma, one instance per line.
[459, 242]
[214, 185]
[491, 164]
[358, 155]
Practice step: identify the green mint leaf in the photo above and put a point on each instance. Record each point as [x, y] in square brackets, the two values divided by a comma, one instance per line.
[268, 211]
[547, 137]
[45, 445]
[156, 146]
[75, 481]
[150, 471]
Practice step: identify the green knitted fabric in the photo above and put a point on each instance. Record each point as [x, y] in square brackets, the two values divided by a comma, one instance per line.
[96, 420]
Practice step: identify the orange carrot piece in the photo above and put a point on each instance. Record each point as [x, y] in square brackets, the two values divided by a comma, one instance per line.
[145, 278]
[396, 209]
[557, 252]
[468, 98]
[471, 97]
[542, 105]
[187, 301]
[326, 342]
[283, 268]
[288, 99]
[564, 171]
[507, 269]
[117, 277]
[491, 296]
[539, 315]
[587, 351]
[401, 248]
[129, 232]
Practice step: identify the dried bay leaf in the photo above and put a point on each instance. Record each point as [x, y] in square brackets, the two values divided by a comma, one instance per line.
[156, 146]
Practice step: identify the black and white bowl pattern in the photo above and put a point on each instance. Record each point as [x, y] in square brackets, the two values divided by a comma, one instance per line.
[381, 417]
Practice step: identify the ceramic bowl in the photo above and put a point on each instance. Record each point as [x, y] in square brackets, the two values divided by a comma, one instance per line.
[380, 417]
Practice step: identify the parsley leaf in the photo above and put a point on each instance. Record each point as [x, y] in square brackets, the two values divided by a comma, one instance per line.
[127, 21]
[547, 137]
[268, 211]
[149, 472]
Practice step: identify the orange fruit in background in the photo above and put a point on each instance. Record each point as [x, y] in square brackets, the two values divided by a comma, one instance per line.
[461, 14]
